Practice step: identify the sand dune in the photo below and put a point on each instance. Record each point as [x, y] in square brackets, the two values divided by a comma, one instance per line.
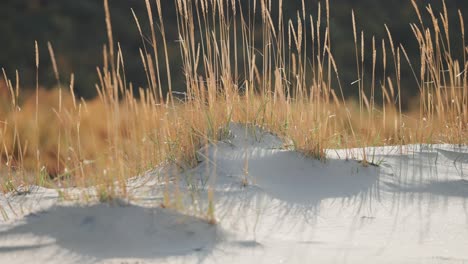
[273, 205]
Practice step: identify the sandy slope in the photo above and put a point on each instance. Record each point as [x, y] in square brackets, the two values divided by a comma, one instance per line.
[273, 205]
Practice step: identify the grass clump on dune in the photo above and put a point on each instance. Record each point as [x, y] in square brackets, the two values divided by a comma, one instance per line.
[286, 81]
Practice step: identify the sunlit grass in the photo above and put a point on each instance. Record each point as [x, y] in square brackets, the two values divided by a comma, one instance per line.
[54, 139]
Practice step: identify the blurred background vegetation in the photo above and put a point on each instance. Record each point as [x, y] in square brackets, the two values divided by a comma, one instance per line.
[77, 32]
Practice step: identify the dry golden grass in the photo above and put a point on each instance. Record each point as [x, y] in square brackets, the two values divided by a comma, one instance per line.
[51, 138]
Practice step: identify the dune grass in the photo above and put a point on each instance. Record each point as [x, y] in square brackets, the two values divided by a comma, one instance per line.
[285, 81]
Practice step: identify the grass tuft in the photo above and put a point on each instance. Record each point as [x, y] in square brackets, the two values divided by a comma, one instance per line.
[283, 79]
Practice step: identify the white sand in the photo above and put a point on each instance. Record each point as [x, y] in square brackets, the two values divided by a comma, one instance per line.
[412, 208]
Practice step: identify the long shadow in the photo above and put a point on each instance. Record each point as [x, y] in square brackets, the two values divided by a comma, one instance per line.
[449, 188]
[261, 178]
[19, 249]
[258, 159]
[102, 232]
[298, 180]
[423, 185]
[422, 173]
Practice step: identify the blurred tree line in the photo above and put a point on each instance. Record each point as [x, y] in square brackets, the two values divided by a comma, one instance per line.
[77, 32]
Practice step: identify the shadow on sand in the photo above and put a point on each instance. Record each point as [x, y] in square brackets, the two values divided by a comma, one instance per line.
[103, 231]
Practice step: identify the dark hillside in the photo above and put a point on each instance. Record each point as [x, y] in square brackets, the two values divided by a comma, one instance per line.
[77, 31]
